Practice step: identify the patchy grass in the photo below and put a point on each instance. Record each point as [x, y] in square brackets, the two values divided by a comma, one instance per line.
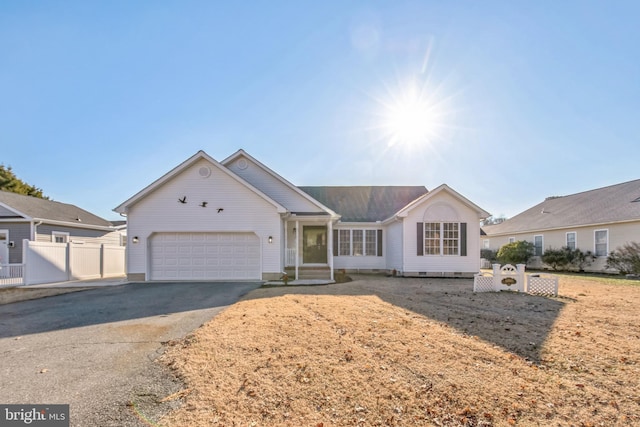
[10, 295]
[396, 352]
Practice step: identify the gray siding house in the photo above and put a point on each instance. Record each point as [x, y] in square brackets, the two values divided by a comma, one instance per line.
[24, 217]
[598, 221]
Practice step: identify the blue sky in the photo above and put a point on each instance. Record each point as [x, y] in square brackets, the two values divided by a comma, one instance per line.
[506, 102]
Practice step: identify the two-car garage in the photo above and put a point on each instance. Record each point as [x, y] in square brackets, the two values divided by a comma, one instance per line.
[205, 256]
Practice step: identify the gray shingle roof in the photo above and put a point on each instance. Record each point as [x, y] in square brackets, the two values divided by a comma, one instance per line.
[615, 203]
[50, 210]
[365, 204]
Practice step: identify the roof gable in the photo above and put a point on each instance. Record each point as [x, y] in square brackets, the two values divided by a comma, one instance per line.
[278, 188]
[33, 208]
[440, 189]
[124, 207]
[365, 203]
[615, 203]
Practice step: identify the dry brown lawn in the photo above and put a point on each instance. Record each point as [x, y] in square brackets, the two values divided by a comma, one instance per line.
[11, 295]
[400, 352]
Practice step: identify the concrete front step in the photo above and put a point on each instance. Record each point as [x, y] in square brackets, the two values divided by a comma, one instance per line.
[310, 273]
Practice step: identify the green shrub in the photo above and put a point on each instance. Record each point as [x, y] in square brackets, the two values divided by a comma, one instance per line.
[625, 259]
[489, 254]
[558, 259]
[566, 258]
[519, 252]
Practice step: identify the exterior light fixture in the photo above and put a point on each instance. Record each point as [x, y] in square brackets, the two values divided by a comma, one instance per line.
[270, 239]
[135, 239]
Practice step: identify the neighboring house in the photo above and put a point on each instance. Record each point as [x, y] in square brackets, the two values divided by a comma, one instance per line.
[238, 219]
[598, 221]
[31, 218]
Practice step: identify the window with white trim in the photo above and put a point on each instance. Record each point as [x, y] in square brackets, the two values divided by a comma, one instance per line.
[441, 238]
[571, 240]
[371, 243]
[512, 239]
[59, 237]
[486, 244]
[359, 242]
[601, 242]
[537, 245]
[344, 242]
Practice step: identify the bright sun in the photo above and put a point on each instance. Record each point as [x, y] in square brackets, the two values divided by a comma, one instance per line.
[410, 117]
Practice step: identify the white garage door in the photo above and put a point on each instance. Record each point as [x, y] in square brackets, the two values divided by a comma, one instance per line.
[205, 256]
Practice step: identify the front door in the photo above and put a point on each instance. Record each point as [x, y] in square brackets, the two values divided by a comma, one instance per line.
[314, 244]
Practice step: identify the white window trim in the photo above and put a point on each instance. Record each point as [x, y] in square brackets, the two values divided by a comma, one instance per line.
[442, 238]
[595, 252]
[364, 242]
[511, 240]
[541, 244]
[65, 234]
[486, 244]
[575, 240]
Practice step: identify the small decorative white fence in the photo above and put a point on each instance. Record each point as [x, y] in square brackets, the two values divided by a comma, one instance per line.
[11, 274]
[510, 278]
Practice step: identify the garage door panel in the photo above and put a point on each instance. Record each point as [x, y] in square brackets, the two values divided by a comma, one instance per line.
[205, 256]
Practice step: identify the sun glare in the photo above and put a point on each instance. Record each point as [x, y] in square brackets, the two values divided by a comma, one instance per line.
[410, 116]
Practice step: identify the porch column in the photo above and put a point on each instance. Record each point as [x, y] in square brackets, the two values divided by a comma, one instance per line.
[283, 256]
[330, 247]
[297, 255]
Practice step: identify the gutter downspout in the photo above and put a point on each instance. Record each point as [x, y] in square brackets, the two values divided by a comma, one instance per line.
[34, 229]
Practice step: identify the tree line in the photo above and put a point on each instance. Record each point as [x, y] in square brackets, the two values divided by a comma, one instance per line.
[11, 183]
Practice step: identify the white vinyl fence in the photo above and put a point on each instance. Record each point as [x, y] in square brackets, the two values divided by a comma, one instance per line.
[510, 278]
[11, 274]
[46, 262]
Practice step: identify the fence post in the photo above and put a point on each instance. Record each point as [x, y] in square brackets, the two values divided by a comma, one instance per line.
[496, 276]
[25, 261]
[102, 250]
[521, 277]
[69, 261]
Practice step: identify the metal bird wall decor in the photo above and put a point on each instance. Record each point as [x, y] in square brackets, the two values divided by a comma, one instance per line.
[203, 204]
[183, 200]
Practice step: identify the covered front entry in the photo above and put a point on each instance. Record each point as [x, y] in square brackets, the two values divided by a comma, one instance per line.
[314, 244]
[308, 248]
[205, 256]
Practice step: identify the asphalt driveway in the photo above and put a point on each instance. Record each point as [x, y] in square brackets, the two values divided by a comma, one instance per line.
[95, 349]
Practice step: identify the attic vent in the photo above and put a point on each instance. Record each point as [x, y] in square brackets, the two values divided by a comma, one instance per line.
[204, 172]
[243, 164]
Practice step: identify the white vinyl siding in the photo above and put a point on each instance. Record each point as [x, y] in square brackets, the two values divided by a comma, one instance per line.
[242, 211]
[270, 185]
[457, 212]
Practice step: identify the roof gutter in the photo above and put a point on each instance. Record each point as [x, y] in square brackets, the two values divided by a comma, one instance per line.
[74, 224]
[565, 227]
